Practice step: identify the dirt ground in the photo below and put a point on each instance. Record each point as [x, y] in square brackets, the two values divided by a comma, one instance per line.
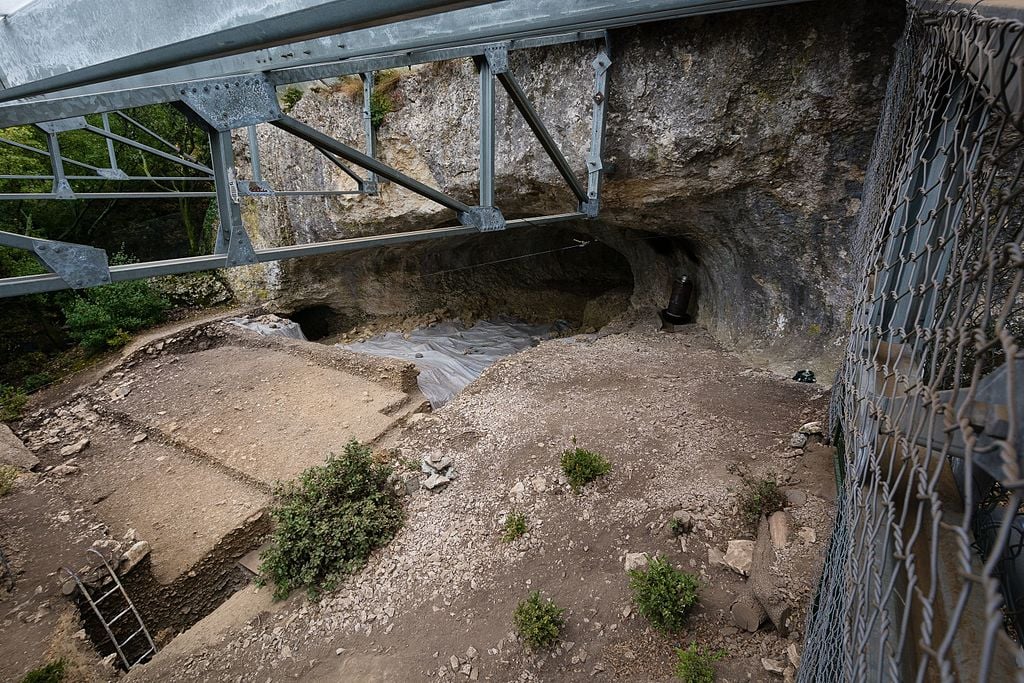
[682, 422]
[180, 444]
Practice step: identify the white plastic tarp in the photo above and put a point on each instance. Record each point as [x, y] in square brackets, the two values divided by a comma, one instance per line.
[271, 326]
[449, 356]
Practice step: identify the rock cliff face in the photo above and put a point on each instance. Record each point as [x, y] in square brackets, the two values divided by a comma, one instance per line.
[735, 152]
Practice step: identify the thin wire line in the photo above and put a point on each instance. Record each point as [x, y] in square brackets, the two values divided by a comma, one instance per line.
[580, 244]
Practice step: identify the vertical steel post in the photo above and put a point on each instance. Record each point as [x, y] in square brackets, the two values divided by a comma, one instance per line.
[486, 133]
[254, 155]
[61, 187]
[232, 239]
[370, 185]
[595, 166]
[110, 143]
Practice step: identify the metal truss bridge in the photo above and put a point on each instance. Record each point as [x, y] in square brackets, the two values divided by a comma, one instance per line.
[74, 66]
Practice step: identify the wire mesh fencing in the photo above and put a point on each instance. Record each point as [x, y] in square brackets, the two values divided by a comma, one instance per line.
[924, 575]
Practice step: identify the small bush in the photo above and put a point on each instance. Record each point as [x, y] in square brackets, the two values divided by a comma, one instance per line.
[663, 594]
[289, 98]
[102, 317]
[328, 522]
[582, 467]
[697, 665]
[539, 622]
[515, 526]
[8, 473]
[51, 673]
[380, 106]
[12, 402]
[37, 381]
[761, 497]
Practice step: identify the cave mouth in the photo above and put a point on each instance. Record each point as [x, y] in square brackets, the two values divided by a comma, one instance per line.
[539, 274]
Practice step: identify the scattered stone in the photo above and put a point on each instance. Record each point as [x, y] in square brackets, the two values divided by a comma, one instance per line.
[682, 522]
[793, 655]
[173, 427]
[453, 661]
[738, 556]
[218, 430]
[728, 631]
[139, 438]
[134, 555]
[795, 498]
[789, 675]
[120, 392]
[65, 470]
[13, 451]
[471, 653]
[474, 674]
[540, 484]
[774, 666]
[435, 463]
[286, 652]
[519, 489]
[435, 481]
[806, 534]
[811, 428]
[75, 448]
[636, 561]
[715, 557]
[798, 440]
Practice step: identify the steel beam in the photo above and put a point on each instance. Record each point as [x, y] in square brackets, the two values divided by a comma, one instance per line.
[369, 131]
[322, 141]
[232, 239]
[55, 44]
[595, 164]
[486, 133]
[146, 148]
[34, 284]
[499, 21]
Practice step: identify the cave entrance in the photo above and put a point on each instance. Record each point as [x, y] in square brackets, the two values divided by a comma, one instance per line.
[455, 307]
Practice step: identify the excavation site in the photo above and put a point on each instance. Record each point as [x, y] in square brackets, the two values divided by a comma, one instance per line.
[515, 340]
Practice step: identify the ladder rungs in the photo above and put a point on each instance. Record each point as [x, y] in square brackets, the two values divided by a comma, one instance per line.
[125, 641]
[107, 594]
[145, 654]
[121, 614]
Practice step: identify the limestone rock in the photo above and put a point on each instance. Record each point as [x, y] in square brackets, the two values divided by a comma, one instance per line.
[798, 440]
[65, 470]
[807, 535]
[738, 556]
[774, 666]
[811, 428]
[134, 555]
[75, 448]
[13, 451]
[682, 522]
[435, 481]
[636, 561]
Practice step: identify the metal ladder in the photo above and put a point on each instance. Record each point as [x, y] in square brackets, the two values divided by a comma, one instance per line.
[124, 609]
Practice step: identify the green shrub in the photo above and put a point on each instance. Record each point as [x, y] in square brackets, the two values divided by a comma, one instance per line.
[539, 622]
[8, 473]
[697, 665]
[761, 497]
[51, 673]
[582, 467]
[663, 594]
[102, 317]
[12, 402]
[37, 381]
[380, 106]
[515, 526]
[289, 98]
[328, 522]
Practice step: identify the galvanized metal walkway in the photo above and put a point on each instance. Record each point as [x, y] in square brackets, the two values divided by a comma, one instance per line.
[61, 61]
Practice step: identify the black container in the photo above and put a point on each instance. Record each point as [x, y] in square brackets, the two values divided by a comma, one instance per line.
[677, 312]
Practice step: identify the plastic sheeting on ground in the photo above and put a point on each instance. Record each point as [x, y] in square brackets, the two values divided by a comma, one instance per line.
[449, 356]
[270, 326]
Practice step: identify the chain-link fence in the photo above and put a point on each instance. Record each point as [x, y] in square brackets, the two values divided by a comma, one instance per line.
[924, 576]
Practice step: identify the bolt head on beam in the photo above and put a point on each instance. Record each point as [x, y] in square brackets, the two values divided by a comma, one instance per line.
[233, 102]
